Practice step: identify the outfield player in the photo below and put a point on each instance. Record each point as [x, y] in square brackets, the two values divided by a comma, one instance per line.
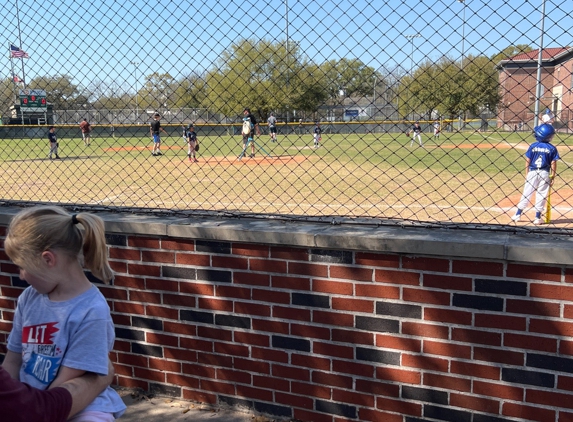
[191, 143]
[540, 171]
[86, 128]
[317, 134]
[436, 130]
[154, 130]
[416, 132]
[53, 142]
[272, 122]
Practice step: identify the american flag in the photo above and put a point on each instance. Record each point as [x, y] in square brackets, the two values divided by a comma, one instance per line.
[16, 52]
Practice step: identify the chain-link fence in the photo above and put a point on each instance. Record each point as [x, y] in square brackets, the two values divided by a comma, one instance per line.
[402, 111]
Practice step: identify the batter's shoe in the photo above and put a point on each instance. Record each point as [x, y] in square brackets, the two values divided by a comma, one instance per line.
[537, 221]
[516, 217]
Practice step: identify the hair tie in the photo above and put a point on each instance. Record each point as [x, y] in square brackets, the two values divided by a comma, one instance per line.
[74, 219]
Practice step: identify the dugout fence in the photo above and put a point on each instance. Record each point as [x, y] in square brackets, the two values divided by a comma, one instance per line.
[477, 77]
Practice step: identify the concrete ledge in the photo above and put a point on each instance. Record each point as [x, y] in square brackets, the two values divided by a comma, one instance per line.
[527, 247]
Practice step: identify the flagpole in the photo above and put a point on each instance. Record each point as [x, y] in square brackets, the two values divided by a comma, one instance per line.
[14, 83]
[20, 46]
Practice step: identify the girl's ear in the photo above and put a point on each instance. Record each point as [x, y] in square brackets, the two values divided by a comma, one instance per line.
[49, 258]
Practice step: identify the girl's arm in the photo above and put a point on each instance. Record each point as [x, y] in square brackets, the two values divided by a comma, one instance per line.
[65, 374]
[12, 363]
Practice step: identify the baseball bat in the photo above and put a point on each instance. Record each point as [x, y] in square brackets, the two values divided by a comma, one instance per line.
[548, 209]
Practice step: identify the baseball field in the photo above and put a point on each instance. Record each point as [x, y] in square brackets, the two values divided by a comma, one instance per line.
[460, 177]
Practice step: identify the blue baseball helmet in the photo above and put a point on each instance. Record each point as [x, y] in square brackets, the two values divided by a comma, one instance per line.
[544, 132]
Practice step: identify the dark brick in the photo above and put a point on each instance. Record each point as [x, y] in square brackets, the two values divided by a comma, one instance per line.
[520, 376]
[331, 256]
[129, 334]
[291, 343]
[213, 247]
[196, 316]
[273, 409]
[446, 414]
[488, 418]
[164, 390]
[336, 409]
[477, 302]
[316, 301]
[424, 394]
[17, 282]
[375, 355]
[215, 276]
[552, 363]
[515, 288]
[409, 419]
[377, 324]
[235, 402]
[233, 321]
[147, 350]
[179, 272]
[116, 239]
[152, 324]
[399, 310]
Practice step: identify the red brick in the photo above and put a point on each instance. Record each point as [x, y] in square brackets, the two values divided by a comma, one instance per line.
[534, 272]
[109, 292]
[182, 355]
[254, 339]
[252, 309]
[428, 297]
[503, 322]
[179, 300]
[294, 401]
[426, 264]
[231, 349]
[448, 382]
[178, 245]
[253, 366]
[426, 363]
[314, 270]
[522, 341]
[145, 270]
[147, 297]
[388, 389]
[344, 396]
[225, 374]
[210, 359]
[425, 330]
[161, 284]
[272, 266]
[447, 349]
[354, 305]
[217, 387]
[129, 382]
[143, 242]
[329, 349]
[398, 375]
[566, 347]
[396, 277]
[129, 282]
[354, 368]
[229, 262]
[271, 355]
[377, 259]
[333, 287]
[333, 380]
[161, 312]
[125, 254]
[402, 407]
[549, 398]
[352, 337]
[475, 370]
[476, 336]
[129, 308]
[266, 325]
[389, 341]
[161, 339]
[290, 254]
[271, 383]
[531, 413]
[311, 362]
[183, 381]
[290, 313]
[292, 283]
[551, 291]
[290, 372]
[552, 327]
[440, 281]
[199, 396]
[198, 260]
[250, 250]
[215, 333]
[195, 288]
[351, 273]
[565, 383]
[307, 415]
[271, 296]
[310, 331]
[530, 307]
[499, 356]
[333, 318]
[164, 365]
[478, 267]
[196, 344]
[251, 279]
[565, 417]
[149, 375]
[377, 291]
[132, 360]
[158, 256]
[371, 415]
[215, 304]
[311, 390]
[237, 292]
[448, 315]
[478, 404]
[503, 391]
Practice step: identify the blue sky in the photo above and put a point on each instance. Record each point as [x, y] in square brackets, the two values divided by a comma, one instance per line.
[97, 41]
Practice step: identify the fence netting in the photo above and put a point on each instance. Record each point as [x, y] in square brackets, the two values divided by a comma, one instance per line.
[395, 111]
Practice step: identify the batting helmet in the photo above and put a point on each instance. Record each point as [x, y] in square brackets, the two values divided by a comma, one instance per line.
[544, 132]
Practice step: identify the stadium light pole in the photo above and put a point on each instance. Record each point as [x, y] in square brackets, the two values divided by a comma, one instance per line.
[463, 2]
[539, 65]
[411, 38]
[135, 64]
[286, 56]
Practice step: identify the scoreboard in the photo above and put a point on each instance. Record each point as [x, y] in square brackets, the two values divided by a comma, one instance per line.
[33, 100]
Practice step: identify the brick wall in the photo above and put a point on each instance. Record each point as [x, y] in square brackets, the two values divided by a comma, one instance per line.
[425, 326]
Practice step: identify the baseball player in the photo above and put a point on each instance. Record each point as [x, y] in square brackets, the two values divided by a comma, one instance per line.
[416, 133]
[540, 171]
[317, 134]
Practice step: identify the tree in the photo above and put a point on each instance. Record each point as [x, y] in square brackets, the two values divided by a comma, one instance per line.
[510, 51]
[350, 75]
[159, 91]
[191, 91]
[7, 97]
[60, 91]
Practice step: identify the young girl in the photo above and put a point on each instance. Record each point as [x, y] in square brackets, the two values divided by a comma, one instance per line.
[62, 325]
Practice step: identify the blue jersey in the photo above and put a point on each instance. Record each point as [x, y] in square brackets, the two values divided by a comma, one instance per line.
[317, 130]
[541, 155]
[52, 137]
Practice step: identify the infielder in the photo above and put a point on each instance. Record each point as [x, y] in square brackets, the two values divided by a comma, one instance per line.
[416, 133]
[540, 171]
